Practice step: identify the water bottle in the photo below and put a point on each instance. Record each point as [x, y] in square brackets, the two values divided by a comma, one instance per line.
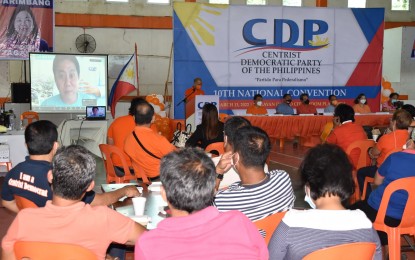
[12, 121]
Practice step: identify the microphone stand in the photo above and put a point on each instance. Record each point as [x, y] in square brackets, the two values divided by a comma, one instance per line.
[184, 101]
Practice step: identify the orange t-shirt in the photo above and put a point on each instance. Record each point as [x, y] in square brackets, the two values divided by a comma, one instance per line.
[390, 141]
[188, 93]
[362, 110]
[306, 109]
[346, 134]
[80, 224]
[118, 131]
[155, 143]
[255, 110]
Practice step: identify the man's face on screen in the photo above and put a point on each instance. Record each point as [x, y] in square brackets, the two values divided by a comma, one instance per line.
[66, 78]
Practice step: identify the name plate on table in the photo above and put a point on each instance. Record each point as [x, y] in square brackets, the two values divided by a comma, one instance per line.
[306, 114]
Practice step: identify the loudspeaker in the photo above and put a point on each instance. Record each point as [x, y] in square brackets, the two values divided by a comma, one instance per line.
[20, 92]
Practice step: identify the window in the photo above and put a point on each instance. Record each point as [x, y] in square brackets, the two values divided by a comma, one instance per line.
[356, 3]
[225, 2]
[291, 2]
[400, 5]
[256, 2]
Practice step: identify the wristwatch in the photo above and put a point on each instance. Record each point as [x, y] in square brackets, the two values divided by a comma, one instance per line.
[219, 176]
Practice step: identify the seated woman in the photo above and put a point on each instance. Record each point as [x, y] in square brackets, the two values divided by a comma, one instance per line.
[209, 131]
[256, 108]
[327, 175]
[390, 105]
[361, 106]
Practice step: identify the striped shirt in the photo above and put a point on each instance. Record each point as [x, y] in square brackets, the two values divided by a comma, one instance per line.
[274, 194]
[302, 232]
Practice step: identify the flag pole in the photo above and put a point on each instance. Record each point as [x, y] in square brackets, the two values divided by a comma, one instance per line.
[136, 69]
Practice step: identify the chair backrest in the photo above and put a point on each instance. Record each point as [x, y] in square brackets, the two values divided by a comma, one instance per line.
[395, 150]
[269, 224]
[363, 146]
[222, 117]
[326, 131]
[45, 250]
[218, 146]
[408, 217]
[360, 250]
[29, 115]
[23, 203]
[107, 152]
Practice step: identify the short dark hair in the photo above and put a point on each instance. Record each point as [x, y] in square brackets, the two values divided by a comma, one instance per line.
[393, 94]
[40, 137]
[402, 118]
[356, 100]
[286, 95]
[332, 96]
[188, 176]
[134, 103]
[303, 95]
[59, 58]
[233, 124]
[257, 96]
[144, 113]
[410, 108]
[93, 108]
[253, 146]
[326, 169]
[73, 170]
[196, 79]
[344, 112]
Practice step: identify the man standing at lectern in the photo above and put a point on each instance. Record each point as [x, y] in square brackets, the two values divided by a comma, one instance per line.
[194, 90]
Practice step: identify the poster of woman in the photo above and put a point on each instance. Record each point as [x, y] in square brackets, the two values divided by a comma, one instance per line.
[25, 28]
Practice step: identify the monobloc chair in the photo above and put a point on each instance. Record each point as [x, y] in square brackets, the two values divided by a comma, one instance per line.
[363, 146]
[218, 146]
[49, 251]
[360, 250]
[372, 180]
[407, 225]
[269, 224]
[108, 151]
[223, 117]
[23, 203]
[29, 116]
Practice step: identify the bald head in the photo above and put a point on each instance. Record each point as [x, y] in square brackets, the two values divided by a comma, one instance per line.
[144, 113]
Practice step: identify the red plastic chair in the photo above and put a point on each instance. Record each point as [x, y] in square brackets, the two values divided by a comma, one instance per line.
[218, 146]
[223, 117]
[269, 224]
[361, 251]
[363, 146]
[29, 116]
[23, 203]
[48, 251]
[407, 225]
[108, 151]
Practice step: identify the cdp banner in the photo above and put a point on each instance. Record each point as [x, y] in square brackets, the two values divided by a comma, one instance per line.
[240, 51]
[25, 26]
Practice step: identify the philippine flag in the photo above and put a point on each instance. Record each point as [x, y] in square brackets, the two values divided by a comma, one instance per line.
[126, 82]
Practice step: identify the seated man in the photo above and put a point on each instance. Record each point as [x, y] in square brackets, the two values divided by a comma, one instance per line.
[284, 107]
[305, 107]
[258, 194]
[256, 108]
[332, 104]
[66, 219]
[28, 179]
[197, 230]
[143, 145]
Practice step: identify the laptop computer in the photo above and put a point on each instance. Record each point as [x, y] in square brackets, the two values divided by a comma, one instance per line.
[96, 113]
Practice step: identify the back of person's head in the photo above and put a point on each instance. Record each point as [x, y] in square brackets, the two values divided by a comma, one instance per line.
[210, 120]
[188, 176]
[326, 169]
[40, 136]
[144, 113]
[357, 99]
[73, 170]
[410, 108]
[344, 112]
[134, 104]
[60, 58]
[402, 118]
[233, 124]
[253, 146]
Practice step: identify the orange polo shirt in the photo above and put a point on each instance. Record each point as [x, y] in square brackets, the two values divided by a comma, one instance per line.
[153, 142]
[256, 110]
[390, 141]
[192, 95]
[306, 109]
[346, 134]
[362, 110]
[118, 131]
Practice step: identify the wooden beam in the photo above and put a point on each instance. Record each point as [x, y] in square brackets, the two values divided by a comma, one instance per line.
[321, 3]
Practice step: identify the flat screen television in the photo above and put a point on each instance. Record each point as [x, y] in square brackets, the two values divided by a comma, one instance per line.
[67, 83]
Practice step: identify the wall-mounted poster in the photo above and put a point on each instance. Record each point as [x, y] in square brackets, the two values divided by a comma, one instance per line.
[25, 26]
